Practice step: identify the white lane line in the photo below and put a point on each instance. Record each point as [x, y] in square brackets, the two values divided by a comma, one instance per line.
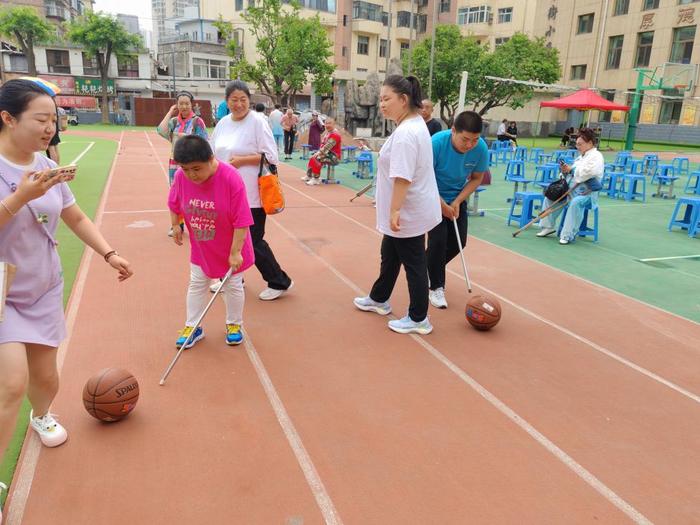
[24, 477]
[504, 409]
[77, 159]
[669, 258]
[155, 154]
[116, 212]
[318, 489]
[590, 283]
[588, 342]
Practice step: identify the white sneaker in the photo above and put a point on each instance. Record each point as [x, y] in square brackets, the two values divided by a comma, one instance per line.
[52, 434]
[437, 298]
[215, 286]
[563, 241]
[545, 231]
[2, 487]
[306, 178]
[406, 325]
[270, 294]
[170, 232]
[368, 305]
[313, 182]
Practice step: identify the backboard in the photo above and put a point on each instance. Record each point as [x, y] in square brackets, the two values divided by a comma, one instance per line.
[677, 76]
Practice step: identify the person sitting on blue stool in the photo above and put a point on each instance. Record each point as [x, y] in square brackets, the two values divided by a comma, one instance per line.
[587, 171]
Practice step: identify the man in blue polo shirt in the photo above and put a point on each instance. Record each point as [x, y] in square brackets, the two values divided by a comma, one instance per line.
[460, 159]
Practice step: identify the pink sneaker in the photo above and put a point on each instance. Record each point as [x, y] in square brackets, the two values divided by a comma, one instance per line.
[52, 434]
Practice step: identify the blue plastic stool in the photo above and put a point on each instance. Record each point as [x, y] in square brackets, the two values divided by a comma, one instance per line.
[365, 166]
[664, 170]
[634, 166]
[493, 157]
[515, 172]
[545, 174]
[520, 153]
[528, 201]
[536, 155]
[665, 176]
[584, 229]
[609, 182]
[682, 165]
[505, 152]
[691, 216]
[305, 149]
[628, 187]
[693, 187]
[330, 175]
[473, 204]
[651, 162]
[348, 154]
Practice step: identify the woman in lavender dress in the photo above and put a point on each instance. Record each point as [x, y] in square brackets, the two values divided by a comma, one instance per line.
[31, 204]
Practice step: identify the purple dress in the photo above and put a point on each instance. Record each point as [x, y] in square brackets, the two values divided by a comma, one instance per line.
[315, 129]
[34, 306]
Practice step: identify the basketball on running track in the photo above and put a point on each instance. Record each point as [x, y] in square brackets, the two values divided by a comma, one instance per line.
[111, 394]
[483, 312]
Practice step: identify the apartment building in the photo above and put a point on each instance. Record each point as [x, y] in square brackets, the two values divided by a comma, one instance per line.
[55, 10]
[164, 10]
[604, 48]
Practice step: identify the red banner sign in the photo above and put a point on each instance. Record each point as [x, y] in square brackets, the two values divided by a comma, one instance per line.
[76, 102]
[67, 84]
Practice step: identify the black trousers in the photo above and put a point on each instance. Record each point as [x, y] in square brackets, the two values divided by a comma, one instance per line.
[288, 142]
[265, 260]
[443, 247]
[409, 252]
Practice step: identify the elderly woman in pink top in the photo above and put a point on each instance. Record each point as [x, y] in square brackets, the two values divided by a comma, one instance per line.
[31, 203]
[289, 125]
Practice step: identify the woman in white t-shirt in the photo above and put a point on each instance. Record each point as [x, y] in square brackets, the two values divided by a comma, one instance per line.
[239, 139]
[408, 206]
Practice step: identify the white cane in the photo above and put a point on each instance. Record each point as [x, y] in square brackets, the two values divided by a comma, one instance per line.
[194, 329]
[461, 254]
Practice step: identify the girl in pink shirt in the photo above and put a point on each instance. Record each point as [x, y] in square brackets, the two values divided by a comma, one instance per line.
[211, 196]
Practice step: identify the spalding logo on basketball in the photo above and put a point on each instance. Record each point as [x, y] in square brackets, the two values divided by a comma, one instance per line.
[483, 312]
[111, 394]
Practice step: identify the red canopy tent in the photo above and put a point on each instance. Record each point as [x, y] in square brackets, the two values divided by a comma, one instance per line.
[584, 100]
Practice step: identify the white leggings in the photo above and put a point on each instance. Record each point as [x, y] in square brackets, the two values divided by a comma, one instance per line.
[198, 296]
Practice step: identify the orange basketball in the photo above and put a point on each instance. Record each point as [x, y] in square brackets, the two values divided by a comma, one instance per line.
[111, 394]
[483, 312]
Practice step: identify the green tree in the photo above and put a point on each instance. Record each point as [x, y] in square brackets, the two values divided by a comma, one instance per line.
[26, 28]
[292, 51]
[454, 53]
[103, 37]
[521, 59]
